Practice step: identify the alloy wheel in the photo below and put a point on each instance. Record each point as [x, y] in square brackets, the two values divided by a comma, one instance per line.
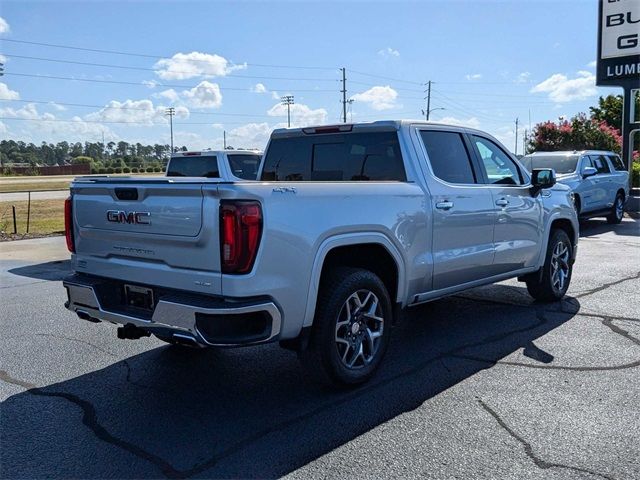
[359, 329]
[559, 266]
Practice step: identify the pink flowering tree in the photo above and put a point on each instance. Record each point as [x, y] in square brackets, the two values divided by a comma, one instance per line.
[578, 133]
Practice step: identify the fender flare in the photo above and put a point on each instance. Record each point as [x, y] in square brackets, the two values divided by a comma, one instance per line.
[343, 240]
[547, 229]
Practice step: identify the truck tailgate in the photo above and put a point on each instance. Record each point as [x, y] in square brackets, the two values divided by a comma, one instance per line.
[156, 231]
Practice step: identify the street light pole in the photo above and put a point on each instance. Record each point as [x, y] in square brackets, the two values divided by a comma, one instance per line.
[288, 101]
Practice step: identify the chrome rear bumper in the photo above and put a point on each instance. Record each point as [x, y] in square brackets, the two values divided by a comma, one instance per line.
[173, 315]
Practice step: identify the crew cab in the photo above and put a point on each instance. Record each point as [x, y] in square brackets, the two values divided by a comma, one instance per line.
[224, 164]
[599, 180]
[347, 226]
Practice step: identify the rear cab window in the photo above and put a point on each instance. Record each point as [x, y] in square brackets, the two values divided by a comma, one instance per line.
[448, 155]
[194, 166]
[353, 156]
[244, 165]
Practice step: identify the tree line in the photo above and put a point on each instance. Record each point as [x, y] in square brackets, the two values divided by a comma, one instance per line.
[111, 157]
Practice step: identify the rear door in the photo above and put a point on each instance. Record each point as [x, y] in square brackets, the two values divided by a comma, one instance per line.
[463, 211]
[157, 231]
[518, 227]
[602, 196]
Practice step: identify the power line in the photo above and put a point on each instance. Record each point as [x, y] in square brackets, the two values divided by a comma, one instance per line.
[144, 55]
[122, 82]
[155, 70]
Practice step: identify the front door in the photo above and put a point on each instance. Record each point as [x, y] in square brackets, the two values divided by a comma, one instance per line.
[463, 210]
[518, 228]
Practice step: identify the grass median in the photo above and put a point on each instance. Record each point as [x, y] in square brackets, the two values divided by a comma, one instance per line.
[9, 187]
[46, 218]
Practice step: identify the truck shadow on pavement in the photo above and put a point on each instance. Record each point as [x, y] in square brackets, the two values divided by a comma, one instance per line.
[252, 412]
[55, 270]
[630, 227]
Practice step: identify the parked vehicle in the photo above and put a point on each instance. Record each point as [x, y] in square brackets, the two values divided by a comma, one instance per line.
[224, 164]
[598, 179]
[347, 226]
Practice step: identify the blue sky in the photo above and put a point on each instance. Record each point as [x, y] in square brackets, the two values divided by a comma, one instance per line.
[224, 65]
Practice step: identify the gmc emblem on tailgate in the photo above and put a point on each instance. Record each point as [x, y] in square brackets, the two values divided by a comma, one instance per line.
[119, 216]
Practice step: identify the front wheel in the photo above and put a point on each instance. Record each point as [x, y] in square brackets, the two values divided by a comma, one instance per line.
[350, 330]
[617, 210]
[552, 282]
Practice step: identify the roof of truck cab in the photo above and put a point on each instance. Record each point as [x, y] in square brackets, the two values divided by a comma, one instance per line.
[379, 125]
[215, 152]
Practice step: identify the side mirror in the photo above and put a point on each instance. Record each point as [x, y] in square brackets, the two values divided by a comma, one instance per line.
[588, 172]
[542, 178]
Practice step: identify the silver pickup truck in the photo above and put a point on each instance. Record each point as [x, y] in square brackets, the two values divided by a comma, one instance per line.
[347, 226]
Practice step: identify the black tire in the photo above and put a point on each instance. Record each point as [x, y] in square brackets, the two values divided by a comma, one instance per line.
[544, 285]
[617, 210]
[577, 205]
[324, 357]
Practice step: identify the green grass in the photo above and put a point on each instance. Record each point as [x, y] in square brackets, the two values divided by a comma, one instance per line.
[34, 186]
[47, 217]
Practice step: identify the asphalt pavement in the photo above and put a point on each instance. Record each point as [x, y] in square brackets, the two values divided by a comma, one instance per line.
[485, 384]
[38, 195]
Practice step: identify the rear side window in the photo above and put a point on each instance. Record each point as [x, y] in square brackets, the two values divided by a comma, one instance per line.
[448, 156]
[244, 166]
[194, 166]
[617, 162]
[373, 156]
[600, 163]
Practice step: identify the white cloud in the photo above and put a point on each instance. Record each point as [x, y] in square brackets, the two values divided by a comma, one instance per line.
[523, 77]
[473, 76]
[259, 88]
[170, 95]
[29, 111]
[195, 64]
[301, 114]
[563, 89]
[150, 83]
[4, 26]
[3, 128]
[57, 106]
[251, 135]
[471, 122]
[388, 52]
[592, 64]
[7, 94]
[3, 59]
[378, 98]
[142, 112]
[204, 95]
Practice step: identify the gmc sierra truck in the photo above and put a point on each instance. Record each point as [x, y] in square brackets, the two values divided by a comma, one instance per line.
[346, 226]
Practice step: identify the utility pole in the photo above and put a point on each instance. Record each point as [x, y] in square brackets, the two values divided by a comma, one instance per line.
[350, 102]
[224, 139]
[171, 112]
[428, 112]
[516, 152]
[288, 101]
[344, 95]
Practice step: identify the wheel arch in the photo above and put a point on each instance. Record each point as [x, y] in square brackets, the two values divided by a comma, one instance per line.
[372, 251]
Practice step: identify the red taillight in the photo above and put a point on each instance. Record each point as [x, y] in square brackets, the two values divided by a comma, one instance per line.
[240, 232]
[68, 225]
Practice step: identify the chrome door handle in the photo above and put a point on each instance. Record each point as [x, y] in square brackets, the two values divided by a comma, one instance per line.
[444, 205]
[503, 202]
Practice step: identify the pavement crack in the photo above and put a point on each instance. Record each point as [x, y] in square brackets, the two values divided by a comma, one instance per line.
[90, 420]
[528, 448]
[607, 285]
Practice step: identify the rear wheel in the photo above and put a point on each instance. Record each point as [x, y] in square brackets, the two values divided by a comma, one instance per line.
[350, 330]
[551, 283]
[617, 210]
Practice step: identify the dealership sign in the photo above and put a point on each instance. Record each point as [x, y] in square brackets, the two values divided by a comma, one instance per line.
[619, 43]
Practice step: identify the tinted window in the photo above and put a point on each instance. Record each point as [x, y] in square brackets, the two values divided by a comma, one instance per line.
[600, 163]
[448, 156]
[499, 167]
[335, 157]
[244, 165]
[560, 163]
[193, 166]
[617, 162]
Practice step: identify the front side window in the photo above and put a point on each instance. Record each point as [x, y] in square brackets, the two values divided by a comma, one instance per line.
[600, 163]
[499, 167]
[359, 156]
[448, 156]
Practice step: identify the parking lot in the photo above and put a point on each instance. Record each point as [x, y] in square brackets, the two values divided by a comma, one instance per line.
[486, 384]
